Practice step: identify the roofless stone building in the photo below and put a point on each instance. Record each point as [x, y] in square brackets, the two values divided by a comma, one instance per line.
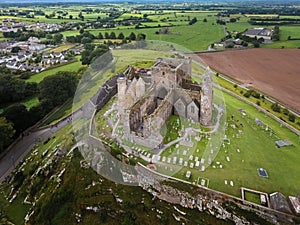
[146, 99]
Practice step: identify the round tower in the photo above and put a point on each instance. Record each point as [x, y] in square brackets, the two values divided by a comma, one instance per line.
[206, 106]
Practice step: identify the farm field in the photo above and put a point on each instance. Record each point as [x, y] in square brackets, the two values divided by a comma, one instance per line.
[193, 37]
[253, 67]
[62, 48]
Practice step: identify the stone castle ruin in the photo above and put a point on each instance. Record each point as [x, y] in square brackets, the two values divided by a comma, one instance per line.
[147, 98]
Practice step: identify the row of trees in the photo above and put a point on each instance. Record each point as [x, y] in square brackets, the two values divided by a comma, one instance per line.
[275, 36]
[23, 35]
[275, 106]
[86, 37]
[52, 91]
[92, 52]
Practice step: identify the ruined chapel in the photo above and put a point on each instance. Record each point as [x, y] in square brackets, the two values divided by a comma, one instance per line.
[147, 98]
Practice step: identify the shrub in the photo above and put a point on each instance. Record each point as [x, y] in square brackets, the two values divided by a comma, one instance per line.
[292, 117]
[247, 94]
[275, 107]
[285, 111]
[255, 94]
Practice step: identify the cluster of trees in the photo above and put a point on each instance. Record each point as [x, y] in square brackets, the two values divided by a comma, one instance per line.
[192, 21]
[221, 22]
[23, 35]
[83, 38]
[277, 108]
[13, 90]
[253, 93]
[93, 52]
[275, 36]
[246, 40]
[52, 91]
[53, 39]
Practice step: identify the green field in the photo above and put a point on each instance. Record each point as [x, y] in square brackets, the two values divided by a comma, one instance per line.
[31, 102]
[284, 33]
[193, 37]
[74, 66]
[257, 149]
[239, 26]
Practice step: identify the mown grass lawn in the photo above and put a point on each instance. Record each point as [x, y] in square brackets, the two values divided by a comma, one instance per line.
[256, 149]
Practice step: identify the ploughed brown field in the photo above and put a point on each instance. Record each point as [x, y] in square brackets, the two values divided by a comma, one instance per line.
[275, 72]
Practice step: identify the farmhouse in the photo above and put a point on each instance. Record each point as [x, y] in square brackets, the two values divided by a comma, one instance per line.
[259, 33]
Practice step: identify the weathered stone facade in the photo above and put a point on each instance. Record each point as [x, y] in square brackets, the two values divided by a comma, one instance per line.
[146, 100]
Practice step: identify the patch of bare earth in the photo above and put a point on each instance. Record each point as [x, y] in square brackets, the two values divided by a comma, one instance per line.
[275, 72]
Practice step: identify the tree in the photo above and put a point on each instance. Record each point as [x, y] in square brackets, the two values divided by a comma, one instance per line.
[13, 89]
[141, 37]
[7, 133]
[57, 38]
[194, 20]
[275, 107]
[101, 58]
[81, 31]
[49, 36]
[70, 17]
[106, 35]
[15, 49]
[121, 36]
[204, 20]
[86, 40]
[285, 111]
[100, 36]
[292, 117]
[112, 35]
[56, 89]
[132, 36]
[17, 114]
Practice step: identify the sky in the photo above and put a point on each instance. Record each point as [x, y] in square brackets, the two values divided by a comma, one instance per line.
[61, 1]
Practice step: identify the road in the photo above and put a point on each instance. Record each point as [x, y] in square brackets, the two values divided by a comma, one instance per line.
[21, 148]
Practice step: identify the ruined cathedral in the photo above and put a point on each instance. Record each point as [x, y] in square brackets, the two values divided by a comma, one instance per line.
[147, 98]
